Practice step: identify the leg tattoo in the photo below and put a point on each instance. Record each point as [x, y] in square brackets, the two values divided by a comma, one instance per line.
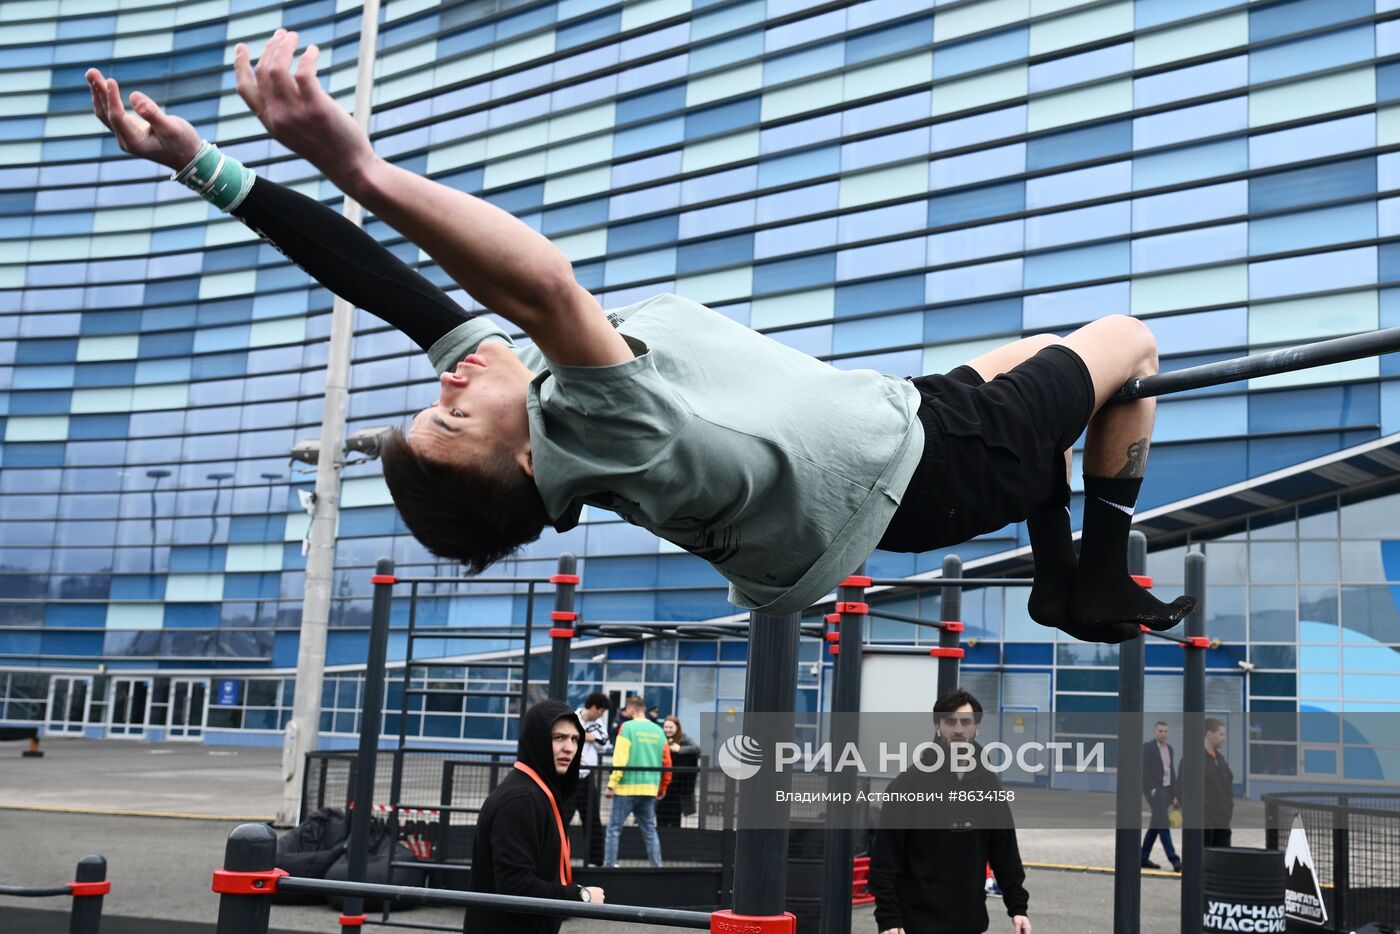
[1137, 460]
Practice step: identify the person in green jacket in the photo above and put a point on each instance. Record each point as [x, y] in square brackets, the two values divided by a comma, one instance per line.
[641, 763]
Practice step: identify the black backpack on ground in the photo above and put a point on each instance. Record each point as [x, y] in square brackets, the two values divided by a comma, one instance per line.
[309, 849]
[382, 850]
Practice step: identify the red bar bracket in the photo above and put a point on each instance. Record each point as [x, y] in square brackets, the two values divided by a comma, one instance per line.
[951, 625]
[383, 579]
[1197, 642]
[563, 578]
[939, 652]
[857, 580]
[727, 922]
[561, 634]
[834, 648]
[227, 882]
[833, 617]
[1142, 580]
[562, 616]
[81, 889]
[855, 609]
[833, 637]
[352, 921]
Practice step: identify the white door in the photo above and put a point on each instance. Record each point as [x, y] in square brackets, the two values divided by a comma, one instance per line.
[131, 699]
[188, 702]
[69, 698]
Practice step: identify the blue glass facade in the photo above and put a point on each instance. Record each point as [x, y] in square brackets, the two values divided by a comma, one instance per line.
[895, 184]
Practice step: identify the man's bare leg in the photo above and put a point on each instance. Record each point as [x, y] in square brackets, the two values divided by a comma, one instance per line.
[1106, 604]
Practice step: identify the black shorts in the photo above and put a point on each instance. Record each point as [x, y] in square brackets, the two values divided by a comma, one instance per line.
[993, 451]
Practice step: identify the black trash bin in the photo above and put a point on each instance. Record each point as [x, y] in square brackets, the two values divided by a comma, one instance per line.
[1243, 890]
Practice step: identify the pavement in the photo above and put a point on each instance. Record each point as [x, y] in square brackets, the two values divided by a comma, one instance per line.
[160, 815]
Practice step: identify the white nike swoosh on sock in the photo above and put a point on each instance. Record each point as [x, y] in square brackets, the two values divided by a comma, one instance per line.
[1127, 510]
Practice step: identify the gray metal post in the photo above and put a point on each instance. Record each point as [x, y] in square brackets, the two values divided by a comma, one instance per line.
[1127, 857]
[250, 848]
[561, 628]
[760, 853]
[304, 729]
[839, 846]
[371, 714]
[86, 914]
[1193, 741]
[949, 652]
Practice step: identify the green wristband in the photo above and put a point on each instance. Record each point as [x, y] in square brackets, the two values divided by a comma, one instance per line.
[217, 178]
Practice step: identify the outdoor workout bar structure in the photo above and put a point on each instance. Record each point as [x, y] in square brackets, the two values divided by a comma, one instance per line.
[760, 864]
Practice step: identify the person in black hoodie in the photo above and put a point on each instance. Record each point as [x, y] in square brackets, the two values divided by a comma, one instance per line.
[521, 843]
[928, 868]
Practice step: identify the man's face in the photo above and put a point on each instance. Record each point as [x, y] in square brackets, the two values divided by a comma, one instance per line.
[480, 409]
[960, 726]
[593, 713]
[1216, 738]
[563, 738]
[1161, 732]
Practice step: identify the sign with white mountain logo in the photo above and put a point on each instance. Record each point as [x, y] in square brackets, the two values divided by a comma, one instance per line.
[1303, 894]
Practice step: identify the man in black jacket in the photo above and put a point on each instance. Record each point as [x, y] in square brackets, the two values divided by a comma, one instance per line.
[521, 845]
[1159, 788]
[1218, 784]
[928, 868]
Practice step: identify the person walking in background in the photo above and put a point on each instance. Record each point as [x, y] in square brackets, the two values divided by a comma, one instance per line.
[640, 774]
[593, 715]
[680, 797]
[930, 879]
[1218, 783]
[1159, 788]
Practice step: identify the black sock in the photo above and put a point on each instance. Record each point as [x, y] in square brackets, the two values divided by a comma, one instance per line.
[1052, 546]
[1107, 603]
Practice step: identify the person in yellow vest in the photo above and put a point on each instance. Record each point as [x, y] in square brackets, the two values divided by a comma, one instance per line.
[640, 774]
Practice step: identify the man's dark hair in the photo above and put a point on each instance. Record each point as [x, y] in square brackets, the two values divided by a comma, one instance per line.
[473, 513]
[953, 700]
[1161, 723]
[599, 700]
[1213, 724]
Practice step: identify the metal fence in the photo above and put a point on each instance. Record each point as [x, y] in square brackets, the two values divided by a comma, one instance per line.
[440, 794]
[1355, 844]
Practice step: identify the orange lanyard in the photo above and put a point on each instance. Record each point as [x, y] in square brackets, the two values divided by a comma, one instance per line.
[566, 870]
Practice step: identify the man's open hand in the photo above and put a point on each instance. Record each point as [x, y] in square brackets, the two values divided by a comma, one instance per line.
[298, 112]
[150, 132]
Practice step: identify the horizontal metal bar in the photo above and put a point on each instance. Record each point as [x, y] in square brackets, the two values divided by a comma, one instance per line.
[424, 692]
[896, 649]
[448, 808]
[1301, 357]
[557, 908]
[21, 891]
[471, 580]
[413, 925]
[902, 618]
[440, 632]
[951, 582]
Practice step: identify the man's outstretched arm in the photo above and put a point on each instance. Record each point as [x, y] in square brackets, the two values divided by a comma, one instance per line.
[502, 262]
[336, 253]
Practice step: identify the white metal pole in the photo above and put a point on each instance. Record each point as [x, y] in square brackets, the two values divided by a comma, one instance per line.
[303, 730]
